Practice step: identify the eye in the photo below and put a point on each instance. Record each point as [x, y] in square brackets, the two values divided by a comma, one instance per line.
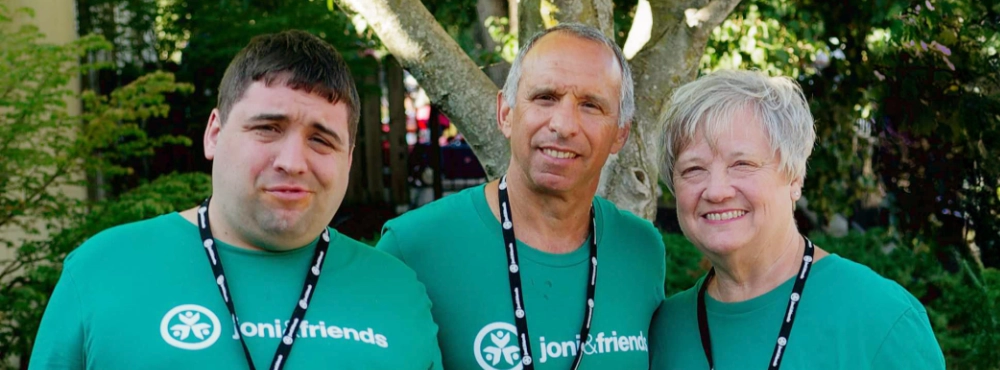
[691, 171]
[547, 98]
[266, 129]
[592, 106]
[322, 141]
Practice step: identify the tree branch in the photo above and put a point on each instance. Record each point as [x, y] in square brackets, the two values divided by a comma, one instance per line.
[710, 16]
[670, 58]
[497, 72]
[38, 192]
[529, 19]
[446, 73]
[597, 13]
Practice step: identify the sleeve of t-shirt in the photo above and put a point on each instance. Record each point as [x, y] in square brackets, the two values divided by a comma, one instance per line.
[910, 344]
[661, 271]
[433, 348]
[430, 332]
[59, 343]
[436, 365]
[388, 243]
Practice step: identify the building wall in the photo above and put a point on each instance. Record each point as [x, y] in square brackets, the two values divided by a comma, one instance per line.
[57, 20]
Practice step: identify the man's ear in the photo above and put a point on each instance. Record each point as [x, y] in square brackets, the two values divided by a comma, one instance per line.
[503, 115]
[621, 137]
[350, 156]
[211, 138]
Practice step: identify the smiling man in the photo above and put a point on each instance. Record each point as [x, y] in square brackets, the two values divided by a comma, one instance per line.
[254, 271]
[515, 281]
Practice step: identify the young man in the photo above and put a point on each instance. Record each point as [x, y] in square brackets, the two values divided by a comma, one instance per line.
[515, 280]
[254, 271]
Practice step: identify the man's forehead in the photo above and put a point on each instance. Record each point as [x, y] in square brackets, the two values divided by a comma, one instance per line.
[561, 40]
[555, 50]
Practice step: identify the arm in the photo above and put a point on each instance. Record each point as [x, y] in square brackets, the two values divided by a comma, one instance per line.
[59, 343]
[910, 344]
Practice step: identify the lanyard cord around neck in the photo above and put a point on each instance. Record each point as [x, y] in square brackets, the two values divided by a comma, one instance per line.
[787, 320]
[517, 292]
[312, 276]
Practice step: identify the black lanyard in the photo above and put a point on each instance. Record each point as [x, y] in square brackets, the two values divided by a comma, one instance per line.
[786, 324]
[517, 293]
[312, 276]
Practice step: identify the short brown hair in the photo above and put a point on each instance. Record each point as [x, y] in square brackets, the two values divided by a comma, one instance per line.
[298, 59]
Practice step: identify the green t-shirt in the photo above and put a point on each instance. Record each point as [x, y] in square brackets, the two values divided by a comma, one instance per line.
[143, 296]
[849, 318]
[456, 247]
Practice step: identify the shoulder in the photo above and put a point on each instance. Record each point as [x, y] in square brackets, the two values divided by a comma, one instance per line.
[844, 288]
[869, 287]
[677, 312]
[369, 260]
[627, 228]
[447, 209]
[437, 224]
[683, 301]
[893, 320]
[126, 239]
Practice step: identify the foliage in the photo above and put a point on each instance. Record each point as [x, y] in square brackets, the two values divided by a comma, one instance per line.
[24, 299]
[46, 152]
[196, 40]
[963, 306]
[685, 264]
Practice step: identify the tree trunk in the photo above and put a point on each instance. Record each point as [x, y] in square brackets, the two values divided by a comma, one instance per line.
[537, 15]
[669, 59]
[529, 20]
[484, 10]
[450, 78]
[398, 148]
[371, 129]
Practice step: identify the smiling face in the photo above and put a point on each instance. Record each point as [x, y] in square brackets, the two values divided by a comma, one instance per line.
[731, 193]
[280, 166]
[564, 123]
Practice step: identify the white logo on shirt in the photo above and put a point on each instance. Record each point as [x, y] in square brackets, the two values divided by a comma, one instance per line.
[194, 327]
[496, 347]
[190, 326]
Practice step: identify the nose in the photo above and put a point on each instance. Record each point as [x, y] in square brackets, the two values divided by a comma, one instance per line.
[291, 157]
[719, 188]
[565, 120]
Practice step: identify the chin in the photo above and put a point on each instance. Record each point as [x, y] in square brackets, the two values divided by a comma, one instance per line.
[721, 246]
[281, 222]
[552, 182]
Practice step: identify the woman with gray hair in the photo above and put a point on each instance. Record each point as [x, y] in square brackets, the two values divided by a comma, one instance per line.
[737, 143]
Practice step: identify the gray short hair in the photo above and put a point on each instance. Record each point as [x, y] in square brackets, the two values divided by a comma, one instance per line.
[626, 98]
[713, 101]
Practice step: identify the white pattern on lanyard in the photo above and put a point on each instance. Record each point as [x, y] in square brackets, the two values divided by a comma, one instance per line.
[787, 319]
[517, 292]
[312, 277]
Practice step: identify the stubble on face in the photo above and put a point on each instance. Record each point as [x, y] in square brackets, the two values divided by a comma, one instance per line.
[277, 175]
[566, 105]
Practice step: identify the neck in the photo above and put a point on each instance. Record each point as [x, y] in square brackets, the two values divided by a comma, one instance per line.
[749, 273]
[222, 231]
[548, 222]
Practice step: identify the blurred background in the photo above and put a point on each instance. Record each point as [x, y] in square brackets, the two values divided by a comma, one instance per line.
[103, 104]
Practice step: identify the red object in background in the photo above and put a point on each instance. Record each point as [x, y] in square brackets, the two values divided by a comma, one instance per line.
[424, 113]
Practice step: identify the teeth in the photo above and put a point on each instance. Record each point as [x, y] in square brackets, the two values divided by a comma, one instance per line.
[725, 215]
[558, 154]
